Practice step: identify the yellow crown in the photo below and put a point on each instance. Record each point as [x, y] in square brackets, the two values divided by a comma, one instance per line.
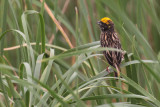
[106, 20]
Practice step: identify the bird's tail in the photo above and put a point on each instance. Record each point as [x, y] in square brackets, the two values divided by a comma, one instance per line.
[117, 73]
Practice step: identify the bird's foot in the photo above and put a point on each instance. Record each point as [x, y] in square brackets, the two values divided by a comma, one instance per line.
[107, 69]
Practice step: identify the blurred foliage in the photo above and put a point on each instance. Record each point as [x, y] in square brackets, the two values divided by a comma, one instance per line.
[39, 68]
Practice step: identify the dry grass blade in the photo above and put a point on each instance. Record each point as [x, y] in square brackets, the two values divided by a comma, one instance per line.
[25, 45]
[57, 24]
[65, 6]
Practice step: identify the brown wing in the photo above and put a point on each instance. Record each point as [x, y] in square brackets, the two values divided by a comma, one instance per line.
[117, 56]
[111, 41]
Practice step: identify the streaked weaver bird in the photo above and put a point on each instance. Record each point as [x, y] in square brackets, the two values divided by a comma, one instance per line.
[109, 38]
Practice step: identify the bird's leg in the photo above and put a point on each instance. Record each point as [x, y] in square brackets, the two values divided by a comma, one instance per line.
[118, 70]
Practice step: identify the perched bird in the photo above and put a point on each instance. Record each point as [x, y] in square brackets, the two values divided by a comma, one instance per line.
[109, 38]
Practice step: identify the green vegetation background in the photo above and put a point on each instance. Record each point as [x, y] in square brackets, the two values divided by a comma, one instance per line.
[41, 65]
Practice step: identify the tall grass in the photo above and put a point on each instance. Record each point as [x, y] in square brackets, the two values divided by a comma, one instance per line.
[50, 53]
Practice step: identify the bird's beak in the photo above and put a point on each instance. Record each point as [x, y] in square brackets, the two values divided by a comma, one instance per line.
[99, 22]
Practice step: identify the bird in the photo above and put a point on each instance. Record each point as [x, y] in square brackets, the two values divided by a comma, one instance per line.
[109, 38]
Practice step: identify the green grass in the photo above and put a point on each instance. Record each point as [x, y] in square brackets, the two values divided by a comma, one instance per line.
[39, 67]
